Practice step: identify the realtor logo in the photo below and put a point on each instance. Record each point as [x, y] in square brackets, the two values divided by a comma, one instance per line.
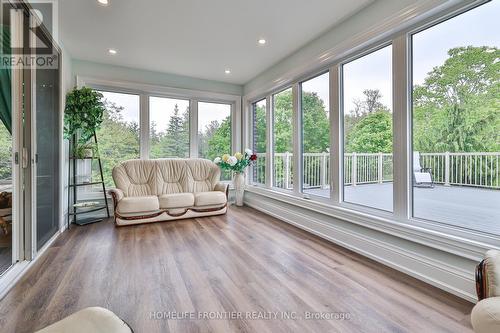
[27, 34]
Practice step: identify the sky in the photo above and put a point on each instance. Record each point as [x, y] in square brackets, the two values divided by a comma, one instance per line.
[478, 27]
[161, 109]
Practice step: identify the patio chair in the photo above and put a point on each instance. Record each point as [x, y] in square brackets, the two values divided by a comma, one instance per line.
[422, 177]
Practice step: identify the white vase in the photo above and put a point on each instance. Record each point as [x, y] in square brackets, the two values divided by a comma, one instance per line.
[239, 187]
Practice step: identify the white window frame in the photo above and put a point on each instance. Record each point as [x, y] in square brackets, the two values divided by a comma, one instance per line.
[193, 96]
[397, 31]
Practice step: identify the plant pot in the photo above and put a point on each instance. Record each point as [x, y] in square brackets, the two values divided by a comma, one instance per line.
[239, 187]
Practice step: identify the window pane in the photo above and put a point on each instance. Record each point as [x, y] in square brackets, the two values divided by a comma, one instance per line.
[456, 121]
[283, 139]
[316, 135]
[214, 132]
[367, 99]
[259, 141]
[118, 136]
[169, 127]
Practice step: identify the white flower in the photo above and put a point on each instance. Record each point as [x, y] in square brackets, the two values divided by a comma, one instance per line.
[249, 152]
[232, 160]
[217, 160]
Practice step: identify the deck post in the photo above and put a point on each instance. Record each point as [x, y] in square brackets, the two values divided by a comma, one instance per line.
[354, 169]
[323, 170]
[380, 168]
[447, 168]
[287, 169]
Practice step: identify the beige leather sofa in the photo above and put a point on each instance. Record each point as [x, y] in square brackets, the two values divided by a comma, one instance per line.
[485, 316]
[167, 189]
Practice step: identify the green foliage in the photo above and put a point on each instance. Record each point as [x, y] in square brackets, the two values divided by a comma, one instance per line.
[86, 150]
[118, 140]
[259, 135]
[83, 113]
[175, 141]
[5, 153]
[220, 141]
[457, 109]
[372, 134]
[316, 125]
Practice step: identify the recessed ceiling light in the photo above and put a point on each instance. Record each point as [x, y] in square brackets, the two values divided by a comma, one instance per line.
[227, 71]
[262, 41]
[112, 51]
[103, 2]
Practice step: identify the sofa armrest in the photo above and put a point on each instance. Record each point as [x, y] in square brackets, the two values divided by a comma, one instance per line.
[488, 275]
[485, 316]
[224, 188]
[116, 194]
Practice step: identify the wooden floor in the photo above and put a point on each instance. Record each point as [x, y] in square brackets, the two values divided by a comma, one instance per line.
[242, 264]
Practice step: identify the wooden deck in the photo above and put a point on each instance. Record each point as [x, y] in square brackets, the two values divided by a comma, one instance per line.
[467, 207]
[243, 262]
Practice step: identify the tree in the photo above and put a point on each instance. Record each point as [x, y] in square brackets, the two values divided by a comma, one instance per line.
[218, 139]
[364, 108]
[118, 140]
[372, 134]
[174, 142]
[457, 108]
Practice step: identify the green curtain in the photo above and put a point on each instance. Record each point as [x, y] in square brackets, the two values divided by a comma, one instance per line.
[5, 82]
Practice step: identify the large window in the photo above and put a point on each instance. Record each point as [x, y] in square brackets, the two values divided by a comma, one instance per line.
[259, 141]
[214, 130]
[118, 136]
[169, 127]
[456, 121]
[367, 107]
[283, 139]
[316, 135]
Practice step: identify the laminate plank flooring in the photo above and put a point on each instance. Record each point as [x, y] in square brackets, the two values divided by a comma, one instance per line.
[240, 272]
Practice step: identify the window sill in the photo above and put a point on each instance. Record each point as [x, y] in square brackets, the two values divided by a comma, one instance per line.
[463, 243]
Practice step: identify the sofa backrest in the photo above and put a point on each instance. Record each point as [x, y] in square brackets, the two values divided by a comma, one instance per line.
[165, 176]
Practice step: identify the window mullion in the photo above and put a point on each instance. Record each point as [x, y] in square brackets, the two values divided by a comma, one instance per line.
[269, 142]
[297, 139]
[144, 127]
[193, 128]
[336, 142]
[401, 131]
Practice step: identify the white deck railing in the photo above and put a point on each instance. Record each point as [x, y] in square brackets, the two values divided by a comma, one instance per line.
[463, 169]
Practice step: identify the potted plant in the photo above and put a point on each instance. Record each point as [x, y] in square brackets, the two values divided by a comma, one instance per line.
[237, 164]
[83, 115]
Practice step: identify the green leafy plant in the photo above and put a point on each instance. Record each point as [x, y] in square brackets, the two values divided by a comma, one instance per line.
[85, 150]
[83, 114]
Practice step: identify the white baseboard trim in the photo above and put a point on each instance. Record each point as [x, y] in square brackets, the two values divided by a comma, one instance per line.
[422, 265]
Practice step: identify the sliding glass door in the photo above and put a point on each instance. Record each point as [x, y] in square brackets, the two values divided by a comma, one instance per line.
[6, 151]
[30, 132]
[45, 152]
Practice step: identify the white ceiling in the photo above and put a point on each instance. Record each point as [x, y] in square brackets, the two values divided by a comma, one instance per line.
[197, 38]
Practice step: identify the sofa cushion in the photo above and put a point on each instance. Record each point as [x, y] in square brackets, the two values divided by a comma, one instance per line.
[203, 175]
[209, 198]
[136, 177]
[176, 200]
[138, 204]
[172, 176]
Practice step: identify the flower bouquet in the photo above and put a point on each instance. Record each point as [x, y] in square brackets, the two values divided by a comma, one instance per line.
[237, 164]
